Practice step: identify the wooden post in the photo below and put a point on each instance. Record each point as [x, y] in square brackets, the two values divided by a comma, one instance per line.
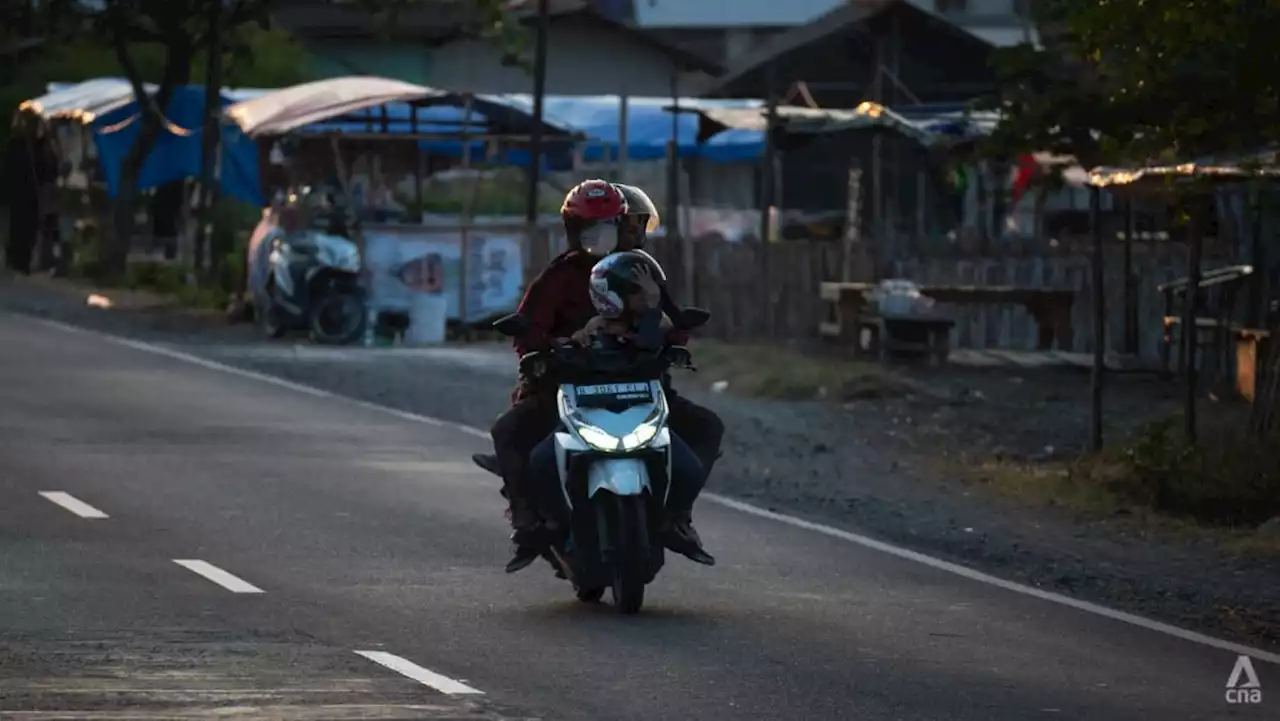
[1257, 310]
[1099, 323]
[767, 178]
[417, 168]
[1188, 337]
[1130, 284]
[852, 251]
[624, 154]
[464, 279]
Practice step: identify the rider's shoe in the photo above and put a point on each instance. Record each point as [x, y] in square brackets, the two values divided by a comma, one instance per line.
[526, 536]
[680, 536]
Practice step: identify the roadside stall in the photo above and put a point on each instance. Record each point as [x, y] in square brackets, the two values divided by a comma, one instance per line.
[1256, 379]
[355, 147]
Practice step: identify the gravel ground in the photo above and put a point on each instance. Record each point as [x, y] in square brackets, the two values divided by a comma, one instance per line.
[867, 465]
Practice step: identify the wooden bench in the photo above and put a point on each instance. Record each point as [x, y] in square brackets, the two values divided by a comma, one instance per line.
[1051, 308]
[926, 335]
[1211, 329]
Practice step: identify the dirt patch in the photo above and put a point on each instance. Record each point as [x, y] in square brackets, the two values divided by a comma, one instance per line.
[764, 371]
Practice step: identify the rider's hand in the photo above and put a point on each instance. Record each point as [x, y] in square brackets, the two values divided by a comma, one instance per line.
[582, 336]
[652, 291]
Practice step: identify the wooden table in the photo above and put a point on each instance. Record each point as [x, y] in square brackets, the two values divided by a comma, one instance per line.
[1051, 308]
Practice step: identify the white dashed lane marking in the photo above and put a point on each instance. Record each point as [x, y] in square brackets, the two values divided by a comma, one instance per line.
[73, 504]
[426, 677]
[218, 576]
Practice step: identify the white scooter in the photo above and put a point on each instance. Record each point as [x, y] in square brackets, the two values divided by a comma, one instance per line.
[613, 456]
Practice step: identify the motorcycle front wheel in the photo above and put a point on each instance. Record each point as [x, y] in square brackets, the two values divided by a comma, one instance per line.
[337, 318]
[632, 553]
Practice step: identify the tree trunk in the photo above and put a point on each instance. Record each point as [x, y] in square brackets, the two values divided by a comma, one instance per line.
[209, 142]
[114, 262]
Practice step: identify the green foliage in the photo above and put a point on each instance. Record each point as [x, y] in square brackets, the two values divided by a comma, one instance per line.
[1137, 80]
[1227, 478]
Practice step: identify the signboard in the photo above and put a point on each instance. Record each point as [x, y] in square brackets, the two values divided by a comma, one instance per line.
[406, 260]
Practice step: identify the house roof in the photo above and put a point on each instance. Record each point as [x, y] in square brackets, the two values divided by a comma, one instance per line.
[585, 10]
[837, 22]
[443, 21]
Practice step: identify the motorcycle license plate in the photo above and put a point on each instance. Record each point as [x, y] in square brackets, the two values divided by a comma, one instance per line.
[613, 394]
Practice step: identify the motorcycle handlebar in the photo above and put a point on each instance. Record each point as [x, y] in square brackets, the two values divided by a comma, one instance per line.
[568, 356]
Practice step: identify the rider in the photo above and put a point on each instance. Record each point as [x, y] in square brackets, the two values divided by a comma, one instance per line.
[558, 305]
[627, 297]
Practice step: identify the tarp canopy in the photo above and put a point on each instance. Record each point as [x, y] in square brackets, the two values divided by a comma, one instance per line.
[928, 125]
[648, 126]
[1159, 179]
[303, 107]
[84, 102]
[176, 154]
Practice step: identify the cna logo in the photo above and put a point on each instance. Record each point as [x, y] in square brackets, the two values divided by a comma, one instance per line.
[1243, 685]
[424, 274]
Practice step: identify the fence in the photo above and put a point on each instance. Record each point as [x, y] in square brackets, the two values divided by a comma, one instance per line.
[757, 293]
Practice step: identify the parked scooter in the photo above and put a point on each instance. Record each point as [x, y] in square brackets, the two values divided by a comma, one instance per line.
[313, 284]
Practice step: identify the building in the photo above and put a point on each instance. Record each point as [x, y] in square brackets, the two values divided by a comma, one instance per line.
[437, 44]
[705, 27]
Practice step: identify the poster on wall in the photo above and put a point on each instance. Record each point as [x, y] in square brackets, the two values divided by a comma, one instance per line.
[405, 261]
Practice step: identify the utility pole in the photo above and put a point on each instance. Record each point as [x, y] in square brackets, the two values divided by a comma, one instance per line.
[535, 137]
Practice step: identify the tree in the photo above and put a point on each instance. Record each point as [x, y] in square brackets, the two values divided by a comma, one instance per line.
[1139, 80]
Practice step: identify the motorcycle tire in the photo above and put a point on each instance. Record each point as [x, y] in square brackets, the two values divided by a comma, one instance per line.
[632, 540]
[352, 327]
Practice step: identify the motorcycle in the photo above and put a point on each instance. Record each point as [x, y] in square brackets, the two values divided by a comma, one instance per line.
[613, 458]
[312, 284]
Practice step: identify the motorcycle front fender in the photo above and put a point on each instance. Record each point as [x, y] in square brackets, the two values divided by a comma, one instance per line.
[619, 476]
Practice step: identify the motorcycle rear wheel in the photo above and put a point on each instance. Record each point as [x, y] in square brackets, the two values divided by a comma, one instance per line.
[349, 309]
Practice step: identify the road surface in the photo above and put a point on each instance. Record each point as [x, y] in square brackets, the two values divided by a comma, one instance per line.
[176, 539]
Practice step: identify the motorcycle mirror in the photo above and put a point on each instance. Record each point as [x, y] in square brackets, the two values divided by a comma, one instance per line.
[691, 317]
[511, 325]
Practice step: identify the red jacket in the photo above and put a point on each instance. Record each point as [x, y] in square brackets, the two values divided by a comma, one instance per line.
[558, 303]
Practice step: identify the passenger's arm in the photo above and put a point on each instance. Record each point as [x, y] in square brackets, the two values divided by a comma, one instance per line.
[539, 305]
[671, 312]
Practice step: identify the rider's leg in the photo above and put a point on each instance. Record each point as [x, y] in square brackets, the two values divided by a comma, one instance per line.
[702, 430]
[687, 479]
[547, 490]
[515, 433]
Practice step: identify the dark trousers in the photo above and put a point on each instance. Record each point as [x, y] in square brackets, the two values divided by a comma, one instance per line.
[531, 419]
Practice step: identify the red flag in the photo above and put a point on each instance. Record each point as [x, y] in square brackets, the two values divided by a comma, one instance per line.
[1027, 170]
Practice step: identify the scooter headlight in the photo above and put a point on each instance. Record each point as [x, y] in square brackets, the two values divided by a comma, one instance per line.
[606, 442]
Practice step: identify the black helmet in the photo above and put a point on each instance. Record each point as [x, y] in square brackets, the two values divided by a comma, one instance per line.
[613, 281]
[640, 218]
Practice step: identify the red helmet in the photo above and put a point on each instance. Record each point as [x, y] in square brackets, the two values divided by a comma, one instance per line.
[593, 200]
[589, 205]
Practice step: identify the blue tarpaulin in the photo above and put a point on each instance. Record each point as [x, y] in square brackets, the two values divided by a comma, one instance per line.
[176, 154]
[597, 117]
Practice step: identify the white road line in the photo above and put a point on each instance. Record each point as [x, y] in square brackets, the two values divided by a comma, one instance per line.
[218, 576]
[864, 541]
[73, 504]
[408, 668]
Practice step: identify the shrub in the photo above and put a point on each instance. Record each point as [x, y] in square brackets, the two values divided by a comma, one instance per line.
[1226, 478]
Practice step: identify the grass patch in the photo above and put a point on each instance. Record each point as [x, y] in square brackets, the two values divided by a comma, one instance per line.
[766, 371]
[1224, 489]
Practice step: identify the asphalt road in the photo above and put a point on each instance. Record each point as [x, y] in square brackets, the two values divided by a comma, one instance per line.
[324, 528]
